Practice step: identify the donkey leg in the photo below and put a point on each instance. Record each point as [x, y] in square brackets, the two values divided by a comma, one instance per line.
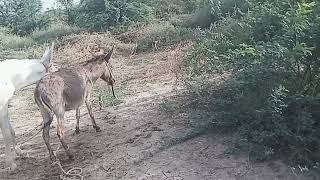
[17, 150]
[7, 137]
[89, 107]
[78, 119]
[10, 155]
[60, 132]
[47, 119]
[15, 147]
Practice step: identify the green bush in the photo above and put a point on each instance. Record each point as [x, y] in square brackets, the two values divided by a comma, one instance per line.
[9, 41]
[163, 34]
[165, 9]
[22, 17]
[210, 11]
[271, 97]
[103, 14]
[55, 31]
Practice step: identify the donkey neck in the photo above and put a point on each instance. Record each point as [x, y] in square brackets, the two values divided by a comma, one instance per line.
[21, 73]
[94, 71]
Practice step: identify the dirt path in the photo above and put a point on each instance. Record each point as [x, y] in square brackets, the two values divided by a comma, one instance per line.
[137, 136]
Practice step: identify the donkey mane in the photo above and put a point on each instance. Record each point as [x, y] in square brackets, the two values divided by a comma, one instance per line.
[96, 59]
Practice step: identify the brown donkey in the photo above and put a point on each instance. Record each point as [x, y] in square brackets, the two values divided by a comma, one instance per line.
[67, 89]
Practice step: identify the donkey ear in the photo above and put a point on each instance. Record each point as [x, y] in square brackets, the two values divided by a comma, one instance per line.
[47, 56]
[108, 56]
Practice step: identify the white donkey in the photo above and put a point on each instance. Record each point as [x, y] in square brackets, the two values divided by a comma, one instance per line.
[14, 75]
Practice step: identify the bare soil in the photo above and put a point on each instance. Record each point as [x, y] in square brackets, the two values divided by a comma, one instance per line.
[136, 135]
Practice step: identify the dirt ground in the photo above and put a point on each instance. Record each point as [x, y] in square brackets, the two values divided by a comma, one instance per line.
[133, 143]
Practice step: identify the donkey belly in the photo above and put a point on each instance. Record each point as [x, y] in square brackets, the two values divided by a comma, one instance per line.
[73, 105]
[74, 96]
[74, 88]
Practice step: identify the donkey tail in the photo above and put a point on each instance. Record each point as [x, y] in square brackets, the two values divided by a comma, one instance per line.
[43, 103]
[42, 100]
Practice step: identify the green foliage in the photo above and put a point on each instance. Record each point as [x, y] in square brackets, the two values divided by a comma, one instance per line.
[103, 14]
[9, 41]
[104, 97]
[21, 16]
[55, 31]
[15, 47]
[165, 9]
[162, 34]
[211, 11]
[271, 97]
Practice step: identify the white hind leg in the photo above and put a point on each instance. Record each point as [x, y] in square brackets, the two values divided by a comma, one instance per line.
[7, 137]
[16, 148]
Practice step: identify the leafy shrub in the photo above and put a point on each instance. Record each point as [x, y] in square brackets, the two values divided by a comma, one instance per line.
[55, 31]
[21, 16]
[210, 11]
[9, 41]
[165, 9]
[104, 14]
[163, 34]
[271, 98]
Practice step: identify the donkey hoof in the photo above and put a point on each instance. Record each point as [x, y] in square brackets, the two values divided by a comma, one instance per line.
[77, 131]
[98, 129]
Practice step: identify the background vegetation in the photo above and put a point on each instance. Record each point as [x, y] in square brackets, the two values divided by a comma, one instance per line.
[266, 51]
[270, 98]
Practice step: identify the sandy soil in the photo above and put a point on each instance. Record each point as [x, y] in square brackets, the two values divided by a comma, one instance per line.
[134, 143]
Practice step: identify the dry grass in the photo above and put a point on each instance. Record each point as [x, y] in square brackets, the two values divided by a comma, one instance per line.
[176, 57]
[76, 48]
[141, 70]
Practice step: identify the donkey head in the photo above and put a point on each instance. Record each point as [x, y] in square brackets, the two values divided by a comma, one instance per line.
[107, 74]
